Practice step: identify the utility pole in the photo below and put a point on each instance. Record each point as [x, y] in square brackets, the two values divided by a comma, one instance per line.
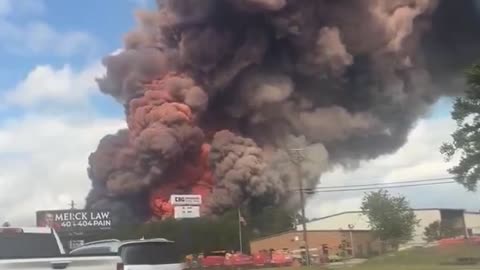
[72, 205]
[351, 227]
[240, 238]
[297, 157]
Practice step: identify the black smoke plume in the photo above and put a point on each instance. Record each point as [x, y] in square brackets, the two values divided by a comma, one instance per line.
[346, 80]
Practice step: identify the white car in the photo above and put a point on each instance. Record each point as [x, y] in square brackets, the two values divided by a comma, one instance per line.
[151, 254]
[41, 249]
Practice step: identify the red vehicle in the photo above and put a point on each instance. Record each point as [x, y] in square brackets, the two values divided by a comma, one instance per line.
[224, 258]
[281, 258]
[214, 259]
[458, 241]
[239, 260]
[261, 259]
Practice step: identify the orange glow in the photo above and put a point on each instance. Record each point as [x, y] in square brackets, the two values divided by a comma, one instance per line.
[190, 178]
[161, 105]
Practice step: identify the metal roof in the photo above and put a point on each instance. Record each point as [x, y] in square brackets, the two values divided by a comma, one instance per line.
[415, 210]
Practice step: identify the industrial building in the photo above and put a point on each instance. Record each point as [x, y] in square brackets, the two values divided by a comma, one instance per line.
[322, 243]
[330, 234]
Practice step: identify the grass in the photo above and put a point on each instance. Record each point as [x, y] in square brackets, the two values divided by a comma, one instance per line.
[424, 259]
[437, 258]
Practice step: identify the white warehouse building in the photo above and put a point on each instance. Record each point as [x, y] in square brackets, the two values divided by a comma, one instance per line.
[464, 222]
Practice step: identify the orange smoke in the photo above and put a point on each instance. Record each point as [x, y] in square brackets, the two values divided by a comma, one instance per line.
[156, 106]
[165, 106]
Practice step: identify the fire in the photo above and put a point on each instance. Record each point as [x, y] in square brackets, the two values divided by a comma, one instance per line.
[214, 91]
[188, 178]
[163, 106]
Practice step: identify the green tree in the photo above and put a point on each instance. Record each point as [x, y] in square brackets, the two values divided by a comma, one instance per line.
[438, 230]
[432, 232]
[191, 235]
[390, 217]
[270, 220]
[210, 233]
[466, 138]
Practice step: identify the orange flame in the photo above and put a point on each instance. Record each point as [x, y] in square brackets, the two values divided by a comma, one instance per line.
[161, 105]
[189, 178]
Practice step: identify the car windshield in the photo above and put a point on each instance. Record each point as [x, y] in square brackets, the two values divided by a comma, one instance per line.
[150, 254]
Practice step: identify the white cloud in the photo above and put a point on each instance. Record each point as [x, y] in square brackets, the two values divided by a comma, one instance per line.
[21, 32]
[58, 86]
[36, 37]
[43, 163]
[21, 7]
[44, 155]
[419, 158]
[46, 84]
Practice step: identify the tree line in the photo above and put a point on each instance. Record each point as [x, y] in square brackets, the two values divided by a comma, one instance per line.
[205, 234]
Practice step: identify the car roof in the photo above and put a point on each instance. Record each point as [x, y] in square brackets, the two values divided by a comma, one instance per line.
[115, 244]
[39, 230]
[106, 241]
[142, 241]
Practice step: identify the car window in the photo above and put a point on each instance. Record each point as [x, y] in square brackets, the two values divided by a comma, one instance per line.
[28, 245]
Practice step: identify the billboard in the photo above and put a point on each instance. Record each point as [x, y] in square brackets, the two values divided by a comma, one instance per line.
[189, 199]
[75, 220]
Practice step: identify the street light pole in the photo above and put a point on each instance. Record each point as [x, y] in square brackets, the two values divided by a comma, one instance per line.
[296, 157]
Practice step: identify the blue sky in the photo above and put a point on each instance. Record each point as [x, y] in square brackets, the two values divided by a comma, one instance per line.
[442, 108]
[52, 114]
[89, 29]
[65, 17]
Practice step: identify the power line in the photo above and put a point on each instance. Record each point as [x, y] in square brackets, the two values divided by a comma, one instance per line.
[387, 183]
[375, 188]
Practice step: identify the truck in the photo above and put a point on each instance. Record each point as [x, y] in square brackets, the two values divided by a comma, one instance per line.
[143, 254]
[40, 248]
[219, 259]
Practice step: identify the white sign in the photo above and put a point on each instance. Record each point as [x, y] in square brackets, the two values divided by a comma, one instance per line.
[186, 212]
[186, 199]
[76, 244]
[476, 231]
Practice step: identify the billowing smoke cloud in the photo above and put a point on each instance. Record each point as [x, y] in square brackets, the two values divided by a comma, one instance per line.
[217, 92]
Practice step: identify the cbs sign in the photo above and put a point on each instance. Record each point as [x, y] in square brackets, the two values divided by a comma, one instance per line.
[186, 199]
